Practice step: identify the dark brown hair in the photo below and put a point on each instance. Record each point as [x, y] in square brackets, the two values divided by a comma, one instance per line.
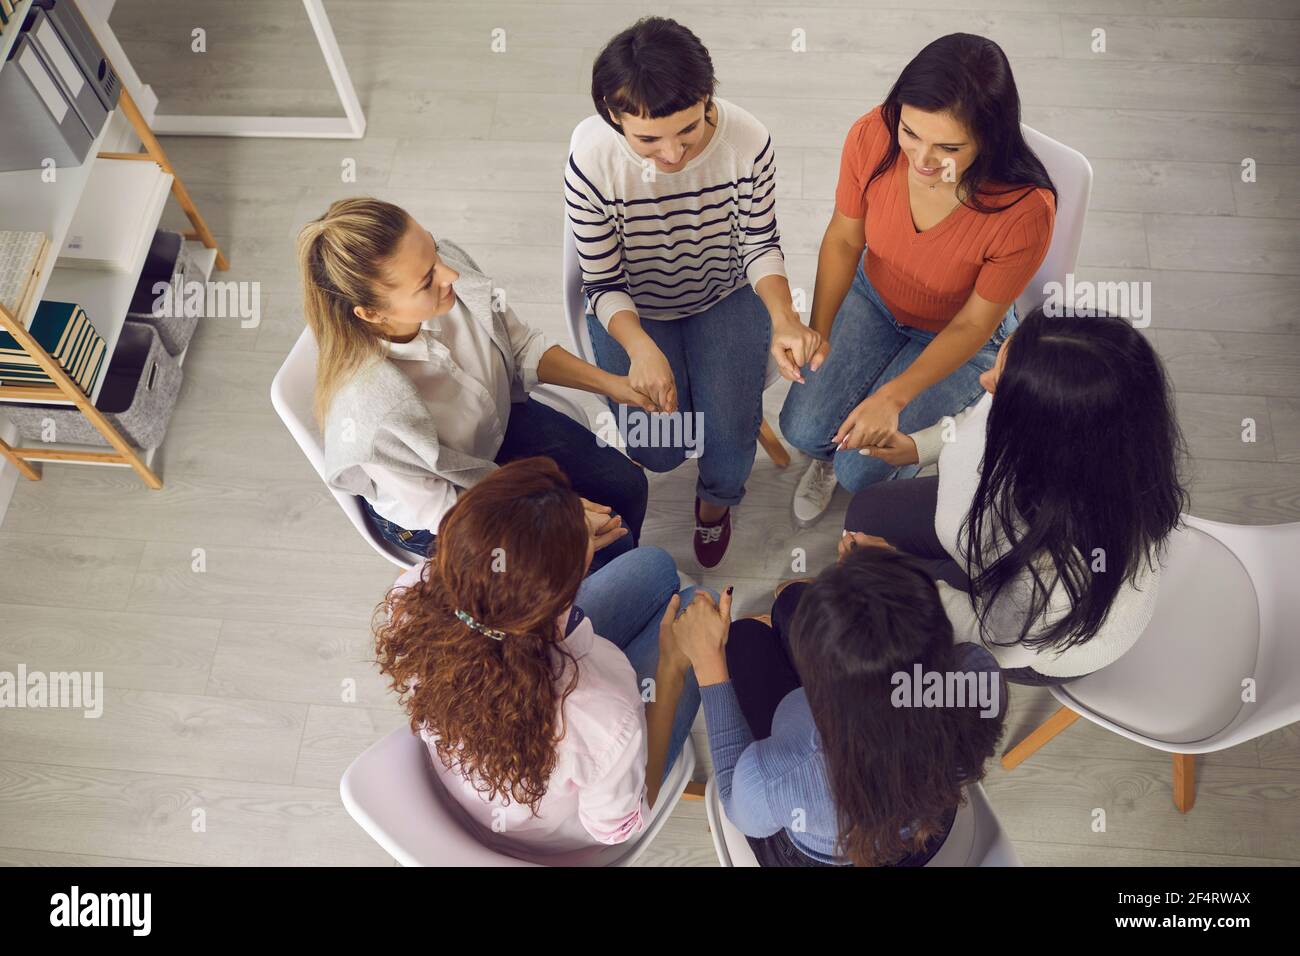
[891, 769]
[510, 554]
[654, 68]
[971, 77]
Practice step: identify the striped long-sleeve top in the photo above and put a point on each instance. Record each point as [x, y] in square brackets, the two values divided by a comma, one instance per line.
[669, 245]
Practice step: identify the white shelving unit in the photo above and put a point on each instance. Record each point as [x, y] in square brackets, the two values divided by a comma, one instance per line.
[30, 201]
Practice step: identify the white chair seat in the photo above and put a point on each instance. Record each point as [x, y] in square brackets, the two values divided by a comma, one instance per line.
[392, 792]
[976, 837]
[1182, 681]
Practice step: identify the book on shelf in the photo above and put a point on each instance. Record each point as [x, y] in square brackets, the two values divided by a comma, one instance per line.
[109, 229]
[22, 257]
[65, 331]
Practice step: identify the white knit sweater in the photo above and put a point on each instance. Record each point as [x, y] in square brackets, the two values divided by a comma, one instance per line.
[960, 459]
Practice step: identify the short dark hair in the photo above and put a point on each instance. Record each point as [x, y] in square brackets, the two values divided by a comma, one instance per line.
[654, 68]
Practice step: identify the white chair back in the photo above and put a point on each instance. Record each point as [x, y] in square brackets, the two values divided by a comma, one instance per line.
[1225, 613]
[393, 793]
[1072, 176]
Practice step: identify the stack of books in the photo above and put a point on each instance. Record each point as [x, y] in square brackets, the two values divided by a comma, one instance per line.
[111, 227]
[22, 256]
[64, 330]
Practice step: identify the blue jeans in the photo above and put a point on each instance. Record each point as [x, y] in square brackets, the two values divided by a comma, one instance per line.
[626, 600]
[599, 474]
[719, 362]
[868, 348]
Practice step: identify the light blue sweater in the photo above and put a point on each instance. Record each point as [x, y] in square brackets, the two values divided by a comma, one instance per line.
[781, 782]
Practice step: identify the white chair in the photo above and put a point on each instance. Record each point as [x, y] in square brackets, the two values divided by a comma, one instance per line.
[1072, 176]
[575, 314]
[976, 837]
[292, 393]
[392, 791]
[1218, 665]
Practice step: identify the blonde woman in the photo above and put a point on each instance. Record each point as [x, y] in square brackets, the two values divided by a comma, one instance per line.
[423, 379]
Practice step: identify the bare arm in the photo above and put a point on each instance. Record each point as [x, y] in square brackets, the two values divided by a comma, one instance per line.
[559, 366]
[837, 263]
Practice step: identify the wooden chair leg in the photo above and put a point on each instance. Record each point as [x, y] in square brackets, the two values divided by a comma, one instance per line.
[772, 445]
[1184, 781]
[694, 790]
[1046, 731]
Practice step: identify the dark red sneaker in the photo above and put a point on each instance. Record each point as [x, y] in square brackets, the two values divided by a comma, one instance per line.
[711, 540]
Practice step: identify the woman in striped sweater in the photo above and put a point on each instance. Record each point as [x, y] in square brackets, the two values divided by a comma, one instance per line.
[671, 198]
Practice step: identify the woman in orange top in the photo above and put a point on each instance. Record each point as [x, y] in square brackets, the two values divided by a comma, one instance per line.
[955, 213]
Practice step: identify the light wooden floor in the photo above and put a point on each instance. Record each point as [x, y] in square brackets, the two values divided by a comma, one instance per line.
[224, 687]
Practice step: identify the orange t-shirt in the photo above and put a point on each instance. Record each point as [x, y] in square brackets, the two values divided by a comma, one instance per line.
[926, 277]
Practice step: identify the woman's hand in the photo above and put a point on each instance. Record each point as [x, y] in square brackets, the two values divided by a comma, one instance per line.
[898, 449]
[701, 634]
[851, 541]
[872, 422]
[603, 525]
[620, 390]
[651, 375]
[795, 345]
[671, 654]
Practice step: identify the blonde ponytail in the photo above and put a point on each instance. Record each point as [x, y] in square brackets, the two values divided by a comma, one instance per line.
[341, 257]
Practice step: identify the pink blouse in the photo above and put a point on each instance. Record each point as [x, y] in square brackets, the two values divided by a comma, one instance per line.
[596, 794]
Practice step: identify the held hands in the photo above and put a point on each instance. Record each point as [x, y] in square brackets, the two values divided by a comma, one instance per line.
[603, 525]
[851, 541]
[651, 375]
[795, 345]
[698, 636]
[621, 391]
[897, 449]
[871, 423]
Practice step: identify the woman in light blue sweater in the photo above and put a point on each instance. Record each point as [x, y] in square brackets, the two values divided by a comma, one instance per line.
[843, 732]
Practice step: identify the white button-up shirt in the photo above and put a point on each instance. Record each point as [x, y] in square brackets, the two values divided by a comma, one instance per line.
[460, 374]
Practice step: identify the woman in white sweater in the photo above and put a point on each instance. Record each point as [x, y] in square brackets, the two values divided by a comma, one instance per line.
[1055, 495]
[670, 193]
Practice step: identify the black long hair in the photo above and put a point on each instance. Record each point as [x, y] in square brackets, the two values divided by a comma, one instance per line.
[1081, 469]
[970, 77]
[654, 68]
[875, 615]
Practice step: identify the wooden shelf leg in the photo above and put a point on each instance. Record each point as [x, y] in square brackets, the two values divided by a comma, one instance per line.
[24, 468]
[772, 445]
[693, 791]
[1046, 731]
[1184, 781]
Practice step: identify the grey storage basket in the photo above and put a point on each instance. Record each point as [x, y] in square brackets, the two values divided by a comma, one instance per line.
[168, 258]
[140, 390]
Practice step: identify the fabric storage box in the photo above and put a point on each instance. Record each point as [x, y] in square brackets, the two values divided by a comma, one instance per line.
[167, 261]
[140, 390]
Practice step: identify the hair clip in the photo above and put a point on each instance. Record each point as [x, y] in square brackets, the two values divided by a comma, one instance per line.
[481, 628]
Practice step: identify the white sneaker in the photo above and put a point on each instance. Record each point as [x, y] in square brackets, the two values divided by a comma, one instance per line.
[813, 495]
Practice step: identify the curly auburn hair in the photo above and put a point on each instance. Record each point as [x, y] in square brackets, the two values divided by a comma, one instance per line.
[511, 554]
